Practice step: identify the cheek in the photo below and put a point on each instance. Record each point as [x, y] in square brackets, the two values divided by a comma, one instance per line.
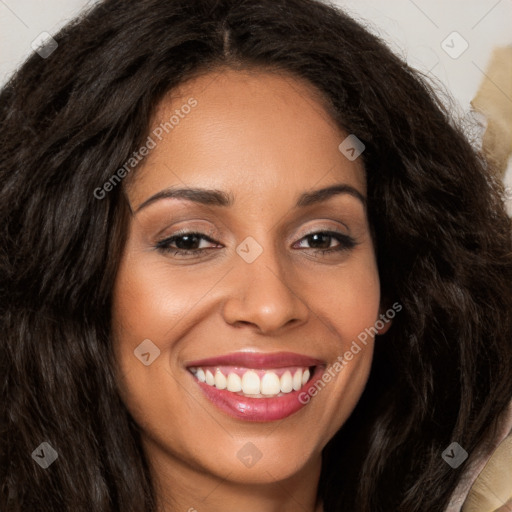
[358, 301]
[350, 308]
[349, 297]
[150, 300]
[145, 311]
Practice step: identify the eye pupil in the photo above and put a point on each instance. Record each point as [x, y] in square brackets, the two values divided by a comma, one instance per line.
[185, 242]
[315, 237]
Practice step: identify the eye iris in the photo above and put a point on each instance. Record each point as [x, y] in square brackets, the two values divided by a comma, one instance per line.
[315, 237]
[186, 241]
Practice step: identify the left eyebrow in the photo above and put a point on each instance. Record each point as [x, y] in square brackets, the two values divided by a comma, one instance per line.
[323, 194]
[215, 197]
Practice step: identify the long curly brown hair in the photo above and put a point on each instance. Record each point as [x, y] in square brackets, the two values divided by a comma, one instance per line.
[444, 249]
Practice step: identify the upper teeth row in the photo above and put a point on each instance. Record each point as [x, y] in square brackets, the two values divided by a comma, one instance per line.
[251, 384]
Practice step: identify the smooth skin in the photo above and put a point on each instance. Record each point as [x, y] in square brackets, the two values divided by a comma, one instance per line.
[263, 138]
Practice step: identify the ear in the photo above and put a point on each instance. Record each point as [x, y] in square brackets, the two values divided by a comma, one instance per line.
[384, 320]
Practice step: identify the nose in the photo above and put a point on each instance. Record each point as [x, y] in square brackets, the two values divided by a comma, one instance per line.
[265, 293]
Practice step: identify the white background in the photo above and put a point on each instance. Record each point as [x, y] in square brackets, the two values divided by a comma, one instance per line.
[415, 29]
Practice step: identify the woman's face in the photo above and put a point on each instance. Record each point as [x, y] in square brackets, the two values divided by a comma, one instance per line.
[280, 282]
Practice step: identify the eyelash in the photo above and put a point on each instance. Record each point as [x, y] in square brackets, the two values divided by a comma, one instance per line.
[346, 243]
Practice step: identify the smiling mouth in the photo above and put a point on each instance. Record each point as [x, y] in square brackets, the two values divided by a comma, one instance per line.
[256, 386]
[254, 383]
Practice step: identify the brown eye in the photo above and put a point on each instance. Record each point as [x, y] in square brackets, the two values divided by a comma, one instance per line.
[184, 243]
[321, 241]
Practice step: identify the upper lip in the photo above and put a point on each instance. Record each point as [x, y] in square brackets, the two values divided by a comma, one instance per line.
[258, 360]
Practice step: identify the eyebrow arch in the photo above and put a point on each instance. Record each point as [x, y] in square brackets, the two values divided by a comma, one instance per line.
[220, 198]
[323, 194]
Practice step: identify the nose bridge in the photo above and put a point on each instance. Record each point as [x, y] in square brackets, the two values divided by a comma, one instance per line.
[262, 292]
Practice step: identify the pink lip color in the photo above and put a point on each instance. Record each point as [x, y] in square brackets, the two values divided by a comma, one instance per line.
[258, 409]
[258, 360]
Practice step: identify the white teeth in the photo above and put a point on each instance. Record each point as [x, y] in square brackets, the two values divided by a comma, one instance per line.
[251, 383]
[234, 383]
[210, 379]
[220, 380]
[286, 382]
[270, 384]
[297, 380]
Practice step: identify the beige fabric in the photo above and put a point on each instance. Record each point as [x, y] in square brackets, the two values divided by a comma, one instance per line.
[478, 461]
[505, 508]
[493, 487]
[493, 100]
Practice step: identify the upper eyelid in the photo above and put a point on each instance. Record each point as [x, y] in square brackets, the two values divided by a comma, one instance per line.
[213, 233]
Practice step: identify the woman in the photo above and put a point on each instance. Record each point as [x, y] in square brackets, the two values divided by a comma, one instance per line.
[172, 336]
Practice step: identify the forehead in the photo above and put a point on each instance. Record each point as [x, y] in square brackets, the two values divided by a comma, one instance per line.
[250, 129]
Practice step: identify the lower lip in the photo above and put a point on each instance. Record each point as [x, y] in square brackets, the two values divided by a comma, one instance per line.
[258, 409]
